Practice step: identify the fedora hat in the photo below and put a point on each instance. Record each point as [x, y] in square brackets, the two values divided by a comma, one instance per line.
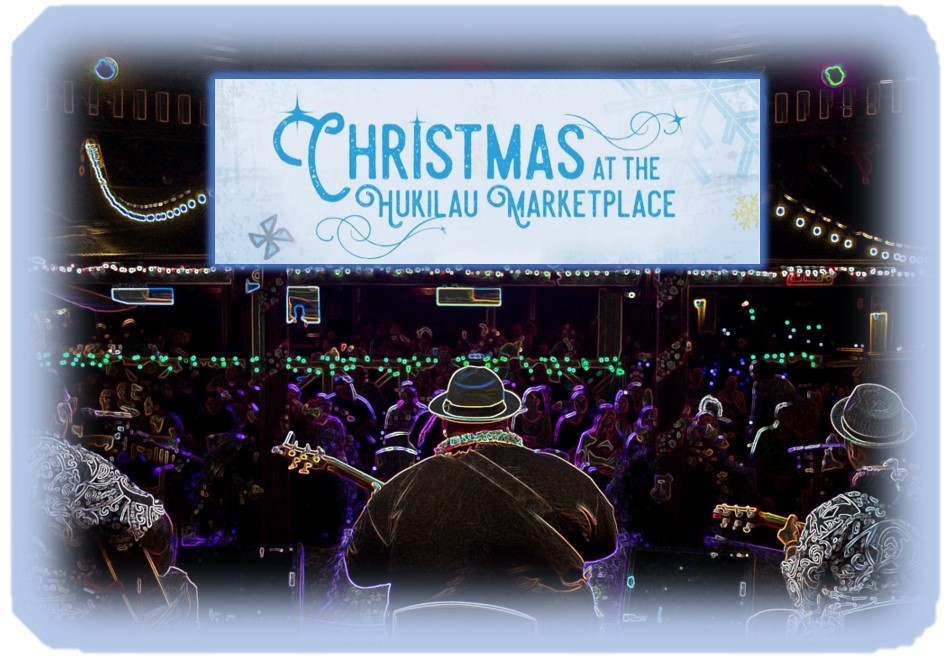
[475, 395]
[873, 416]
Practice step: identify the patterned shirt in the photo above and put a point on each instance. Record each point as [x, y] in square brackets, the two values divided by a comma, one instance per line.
[78, 492]
[854, 553]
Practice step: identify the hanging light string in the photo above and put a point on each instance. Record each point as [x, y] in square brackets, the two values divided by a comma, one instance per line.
[166, 210]
[591, 277]
[849, 241]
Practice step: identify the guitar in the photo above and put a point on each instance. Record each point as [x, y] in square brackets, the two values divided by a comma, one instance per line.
[135, 577]
[747, 518]
[306, 459]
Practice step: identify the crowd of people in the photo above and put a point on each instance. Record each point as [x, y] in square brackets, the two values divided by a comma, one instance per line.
[191, 436]
[202, 425]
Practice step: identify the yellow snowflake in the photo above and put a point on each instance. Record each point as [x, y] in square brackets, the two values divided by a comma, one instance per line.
[747, 211]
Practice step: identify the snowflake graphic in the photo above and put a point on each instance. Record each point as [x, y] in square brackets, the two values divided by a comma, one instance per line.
[270, 237]
[747, 211]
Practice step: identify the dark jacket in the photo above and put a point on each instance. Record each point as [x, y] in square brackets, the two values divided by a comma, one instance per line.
[496, 524]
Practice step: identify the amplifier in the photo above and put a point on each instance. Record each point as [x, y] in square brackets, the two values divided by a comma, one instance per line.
[688, 589]
[239, 585]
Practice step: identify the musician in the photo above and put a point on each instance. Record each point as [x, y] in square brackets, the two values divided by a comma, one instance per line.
[82, 501]
[859, 549]
[485, 520]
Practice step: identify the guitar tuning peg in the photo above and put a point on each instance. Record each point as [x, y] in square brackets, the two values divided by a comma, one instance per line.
[747, 528]
[724, 523]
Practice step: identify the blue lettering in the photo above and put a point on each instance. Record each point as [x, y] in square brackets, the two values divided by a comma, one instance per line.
[577, 158]
[333, 124]
[467, 129]
[495, 158]
[355, 151]
[446, 159]
[390, 153]
[539, 155]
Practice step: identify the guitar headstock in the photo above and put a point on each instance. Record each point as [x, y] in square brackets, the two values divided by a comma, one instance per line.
[302, 458]
[737, 517]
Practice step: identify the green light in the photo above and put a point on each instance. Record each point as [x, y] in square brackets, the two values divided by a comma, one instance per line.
[794, 330]
[819, 327]
[753, 357]
[786, 322]
[751, 311]
[809, 327]
[753, 318]
[834, 75]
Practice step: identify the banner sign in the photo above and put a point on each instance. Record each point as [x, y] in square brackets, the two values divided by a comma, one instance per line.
[487, 171]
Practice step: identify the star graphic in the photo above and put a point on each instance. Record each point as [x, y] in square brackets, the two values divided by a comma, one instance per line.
[676, 119]
[296, 113]
[270, 237]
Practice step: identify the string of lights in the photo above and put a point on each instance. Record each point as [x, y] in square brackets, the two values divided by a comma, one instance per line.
[327, 364]
[849, 240]
[770, 276]
[165, 210]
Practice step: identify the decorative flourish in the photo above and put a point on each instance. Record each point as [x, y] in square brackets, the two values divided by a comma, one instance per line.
[354, 235]
[270, 237]
[746, 211]
[499, 196]
[645, 129]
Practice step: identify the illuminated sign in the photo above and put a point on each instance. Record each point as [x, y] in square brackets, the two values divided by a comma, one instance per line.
[466, 296]
[144, 297]
[811, 279]
[302, 305]
[478, 171]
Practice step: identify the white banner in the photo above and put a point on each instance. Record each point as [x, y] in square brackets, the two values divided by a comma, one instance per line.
[487, 172]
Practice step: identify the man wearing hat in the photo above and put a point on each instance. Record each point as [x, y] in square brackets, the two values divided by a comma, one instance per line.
[858, 550]
[485, 520]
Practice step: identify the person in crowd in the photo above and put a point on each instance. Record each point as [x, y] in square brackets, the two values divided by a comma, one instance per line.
[400, 416]
[600, 447]
[324, 504]
[534, 424]
[357, 415]
[776, 468]
[573, 423]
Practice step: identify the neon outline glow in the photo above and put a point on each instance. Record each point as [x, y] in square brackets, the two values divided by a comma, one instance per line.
[94, 152]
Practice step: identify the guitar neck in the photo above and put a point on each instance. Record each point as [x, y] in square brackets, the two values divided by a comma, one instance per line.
[305, 459]
[771, 519]
[345, 470]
